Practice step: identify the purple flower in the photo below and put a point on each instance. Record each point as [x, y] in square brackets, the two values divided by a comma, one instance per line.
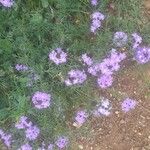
[117, 57]
[120, 39]
[62, 142]
[25, 147]
[137, 40]
[50, 147]
[105, 81]
[108, 66]
[32, 133]
[23, 123]
[6, 138]
[142, 54]
[6, 3]
[41, 100]
[94, 2]
[21, 67]
[103, 108]
[58, 56]
[75, 77]
[87, 60]
[81, 117]
[128, 104]
[95, 69]
[96, 17]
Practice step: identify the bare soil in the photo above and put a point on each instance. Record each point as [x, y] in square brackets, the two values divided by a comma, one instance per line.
[122, 131]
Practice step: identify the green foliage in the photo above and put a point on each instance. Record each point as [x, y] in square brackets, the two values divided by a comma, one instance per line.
[29, 30]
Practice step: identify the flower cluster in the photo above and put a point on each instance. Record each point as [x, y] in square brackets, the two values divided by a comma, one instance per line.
[58, 56]
[25, 147]
[142, 54]
[21, 67]
[120, 39]
[94, 2]
[104, 108]
[31, 130]
[137, 40]
[50, 147]
[41, 100]
[106, 68]
[23, 123]
[96, 17]
[7, 3]
[105, 81]
[62, 142]
[81, 117]
[128, 104]
[87, 60]
[6, 138]
[75, 77]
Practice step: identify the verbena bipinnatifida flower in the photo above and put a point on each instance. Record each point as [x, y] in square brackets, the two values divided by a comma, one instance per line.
[75, 77]
[128, 104]
[137, 40]
[21, 67]
[7, 3]
[96, 18]
[6, 138]
[103, 108]
[25, 147]
[120, 39]
[58, 56]
[94, 2]
[108, 65]
[62, 142]
[142, 54]
[41, 100]
[50, 147]
[105, 81]
[32, 133]
[23, 123]
[87, 60]
[81, 117]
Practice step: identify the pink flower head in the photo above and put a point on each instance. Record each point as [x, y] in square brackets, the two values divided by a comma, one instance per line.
[7, 3]
[58, 56]
[128, 104]
[41, 100]
[32, 133]
[23, 123]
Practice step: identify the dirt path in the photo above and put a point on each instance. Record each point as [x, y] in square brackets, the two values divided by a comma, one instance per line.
[120, 131]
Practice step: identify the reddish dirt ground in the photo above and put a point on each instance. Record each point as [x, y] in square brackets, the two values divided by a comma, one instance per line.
[120, 131]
